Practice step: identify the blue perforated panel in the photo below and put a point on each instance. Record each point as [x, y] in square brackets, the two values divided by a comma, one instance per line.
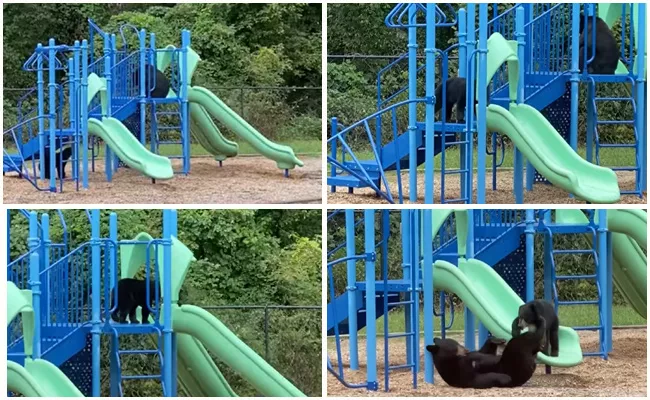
[558, 113]
[513, 268]
[79, 368]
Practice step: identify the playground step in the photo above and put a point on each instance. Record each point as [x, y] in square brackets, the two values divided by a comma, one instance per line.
[140, 377]
[576, 302]
[574, 277]
[346, 181]
[574, 251]
[130, 352]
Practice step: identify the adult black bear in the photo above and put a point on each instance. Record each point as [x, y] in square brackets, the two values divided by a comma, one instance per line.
[607, 49]
[132, 293]
[455, 364]
[161, 82]
[518, 360]
[529, 314]
[455, 96]
[60, 157]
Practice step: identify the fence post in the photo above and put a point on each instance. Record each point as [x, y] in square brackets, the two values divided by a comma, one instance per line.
[266, 333]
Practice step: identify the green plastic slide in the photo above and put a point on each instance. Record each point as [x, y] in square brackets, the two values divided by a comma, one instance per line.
[496, 305]
[38, 378]
[208, 135]
[121, 140]
[282, 155]
[129, 149]
[207, 330]
[629, 242]
[551, 155]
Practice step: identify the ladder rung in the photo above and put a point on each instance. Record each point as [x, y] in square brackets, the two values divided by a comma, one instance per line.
[585, 251]
[576, 302]
[614, 122]
[138, 352]
[624, 168]
[575, 277]
[403, 366]
[140, 377]
[398, 335]
[617, 145]
[613, 99]
[455, 171]
[401, 303]
[587, 328]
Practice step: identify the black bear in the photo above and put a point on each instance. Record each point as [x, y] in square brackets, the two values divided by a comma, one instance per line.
[455, 364]
[60, 161]
[455, 96]
[132, 293]
[529, 314]
[519, 358]
[161, 82]
[607, 49]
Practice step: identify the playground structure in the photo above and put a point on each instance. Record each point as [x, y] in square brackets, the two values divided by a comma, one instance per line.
[58, 303]
[485, 258]
[524, 76]
[107, 95]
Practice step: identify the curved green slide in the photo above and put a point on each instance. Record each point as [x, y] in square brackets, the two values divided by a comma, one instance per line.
[629, 247]
[38, 378]
[496, 305]
[489, 297]
[204, 104]
[121, 140]
[200, 331]
[551, 155]
[538, 140]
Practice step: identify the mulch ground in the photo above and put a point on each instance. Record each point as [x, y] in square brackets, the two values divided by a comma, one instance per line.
[241, 180]
[541, 193]
[624, 374]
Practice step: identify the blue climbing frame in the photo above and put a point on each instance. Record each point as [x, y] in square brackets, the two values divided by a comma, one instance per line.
[63, 280]
[547, 68]
[503, 239]
[65, 122]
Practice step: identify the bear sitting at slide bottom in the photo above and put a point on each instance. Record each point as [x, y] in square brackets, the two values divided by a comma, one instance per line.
[455, 363]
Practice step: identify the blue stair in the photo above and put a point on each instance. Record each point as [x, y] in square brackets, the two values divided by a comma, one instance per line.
[174, 115]
[392, 153]
[341, 304]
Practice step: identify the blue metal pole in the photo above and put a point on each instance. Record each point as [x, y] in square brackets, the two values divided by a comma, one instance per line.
[72, 110]
[527, 66]
[604, 302]
[548, 261]
[96, 306]
[407, 254]
[351, 269]
[470, 338]
[471, 92]
[142, 35]
[41, 107]
[641, 112]
[482, 102]
[430, 84]
[35, 283]
[427, 290]
[521, 53]
[333, 151]
[462, 72]
[610, 288]
[46, 244]
[169, 219]
[109, 94]
[414, 307]
[52, 120]
[112, 266]
[84, 113]
[185, 128]
[77, 110]
[413, 116]
[371, 312]
[530, 255]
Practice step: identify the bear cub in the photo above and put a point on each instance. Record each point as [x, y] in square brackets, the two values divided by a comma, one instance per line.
[132, 293]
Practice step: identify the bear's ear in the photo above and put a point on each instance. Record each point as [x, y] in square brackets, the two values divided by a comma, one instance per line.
[433, 348]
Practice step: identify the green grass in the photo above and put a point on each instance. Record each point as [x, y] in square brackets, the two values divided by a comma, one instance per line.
[608, 157]
[579, 315]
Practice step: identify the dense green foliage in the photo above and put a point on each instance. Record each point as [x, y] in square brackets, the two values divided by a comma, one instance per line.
[566, 264]
[241, 45]
[244, 257]
[359, 30]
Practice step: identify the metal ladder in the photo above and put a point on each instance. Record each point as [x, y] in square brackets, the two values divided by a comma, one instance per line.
[118, 378]
[558, 278]
[597, 137]
[159, 126]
